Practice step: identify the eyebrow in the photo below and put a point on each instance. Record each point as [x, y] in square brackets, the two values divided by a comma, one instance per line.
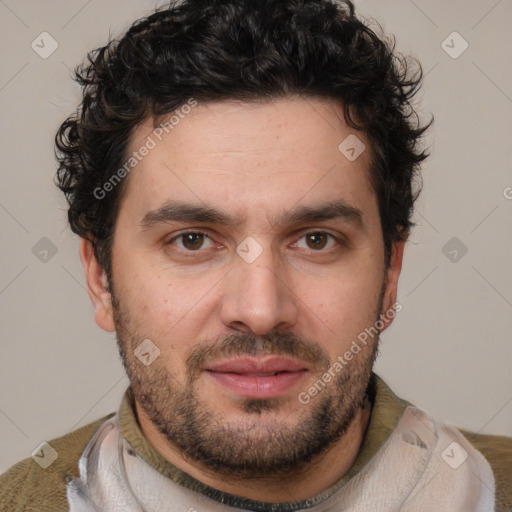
[176, 211]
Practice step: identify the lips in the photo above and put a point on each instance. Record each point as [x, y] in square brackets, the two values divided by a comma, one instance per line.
[257, 377]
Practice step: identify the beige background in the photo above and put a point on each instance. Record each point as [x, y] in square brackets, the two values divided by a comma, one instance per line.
[449, 350]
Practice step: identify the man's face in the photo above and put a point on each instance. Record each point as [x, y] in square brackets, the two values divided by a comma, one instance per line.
[276, 289]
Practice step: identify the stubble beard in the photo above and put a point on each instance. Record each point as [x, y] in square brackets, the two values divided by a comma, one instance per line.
[260, 445]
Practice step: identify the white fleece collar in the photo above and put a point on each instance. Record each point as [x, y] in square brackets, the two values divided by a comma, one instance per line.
[424, 466]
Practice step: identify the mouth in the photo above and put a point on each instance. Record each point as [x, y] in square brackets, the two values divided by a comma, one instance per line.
[258, 377]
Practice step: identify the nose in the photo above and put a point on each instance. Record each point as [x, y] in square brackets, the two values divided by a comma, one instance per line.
[258, 296]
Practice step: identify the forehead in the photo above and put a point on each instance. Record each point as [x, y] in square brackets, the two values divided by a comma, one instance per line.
[257, 158]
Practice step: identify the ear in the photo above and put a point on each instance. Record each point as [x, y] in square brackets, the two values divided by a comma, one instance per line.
[390, 293]
[97, 286]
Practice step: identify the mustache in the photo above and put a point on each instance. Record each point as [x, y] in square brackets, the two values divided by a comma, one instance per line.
[242, 344]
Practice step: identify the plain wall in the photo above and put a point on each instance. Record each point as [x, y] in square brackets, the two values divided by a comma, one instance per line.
[449, 350]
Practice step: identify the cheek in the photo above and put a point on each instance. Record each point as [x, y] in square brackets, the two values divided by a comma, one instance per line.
[167, 308]
[149, 299]
[344, 308]
[354, 304]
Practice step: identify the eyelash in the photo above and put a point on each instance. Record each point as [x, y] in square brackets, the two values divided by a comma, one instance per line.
[338, 240]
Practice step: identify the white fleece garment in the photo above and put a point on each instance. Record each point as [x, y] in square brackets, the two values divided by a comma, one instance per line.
[424, 466]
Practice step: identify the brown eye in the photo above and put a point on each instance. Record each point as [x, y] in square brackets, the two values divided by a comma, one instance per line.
[193, 241]
[316, 240]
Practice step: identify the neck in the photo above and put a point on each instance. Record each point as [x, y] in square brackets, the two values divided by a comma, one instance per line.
[320, 474]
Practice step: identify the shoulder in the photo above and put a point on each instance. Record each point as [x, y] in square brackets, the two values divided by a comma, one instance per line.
[28, 485]
[498, 452]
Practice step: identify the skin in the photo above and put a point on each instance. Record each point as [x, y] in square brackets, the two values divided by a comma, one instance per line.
[255, 161]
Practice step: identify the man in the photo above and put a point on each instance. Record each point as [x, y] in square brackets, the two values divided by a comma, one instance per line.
[241, 176]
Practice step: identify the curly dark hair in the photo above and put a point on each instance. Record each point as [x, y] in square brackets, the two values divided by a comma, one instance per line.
[213, 50]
